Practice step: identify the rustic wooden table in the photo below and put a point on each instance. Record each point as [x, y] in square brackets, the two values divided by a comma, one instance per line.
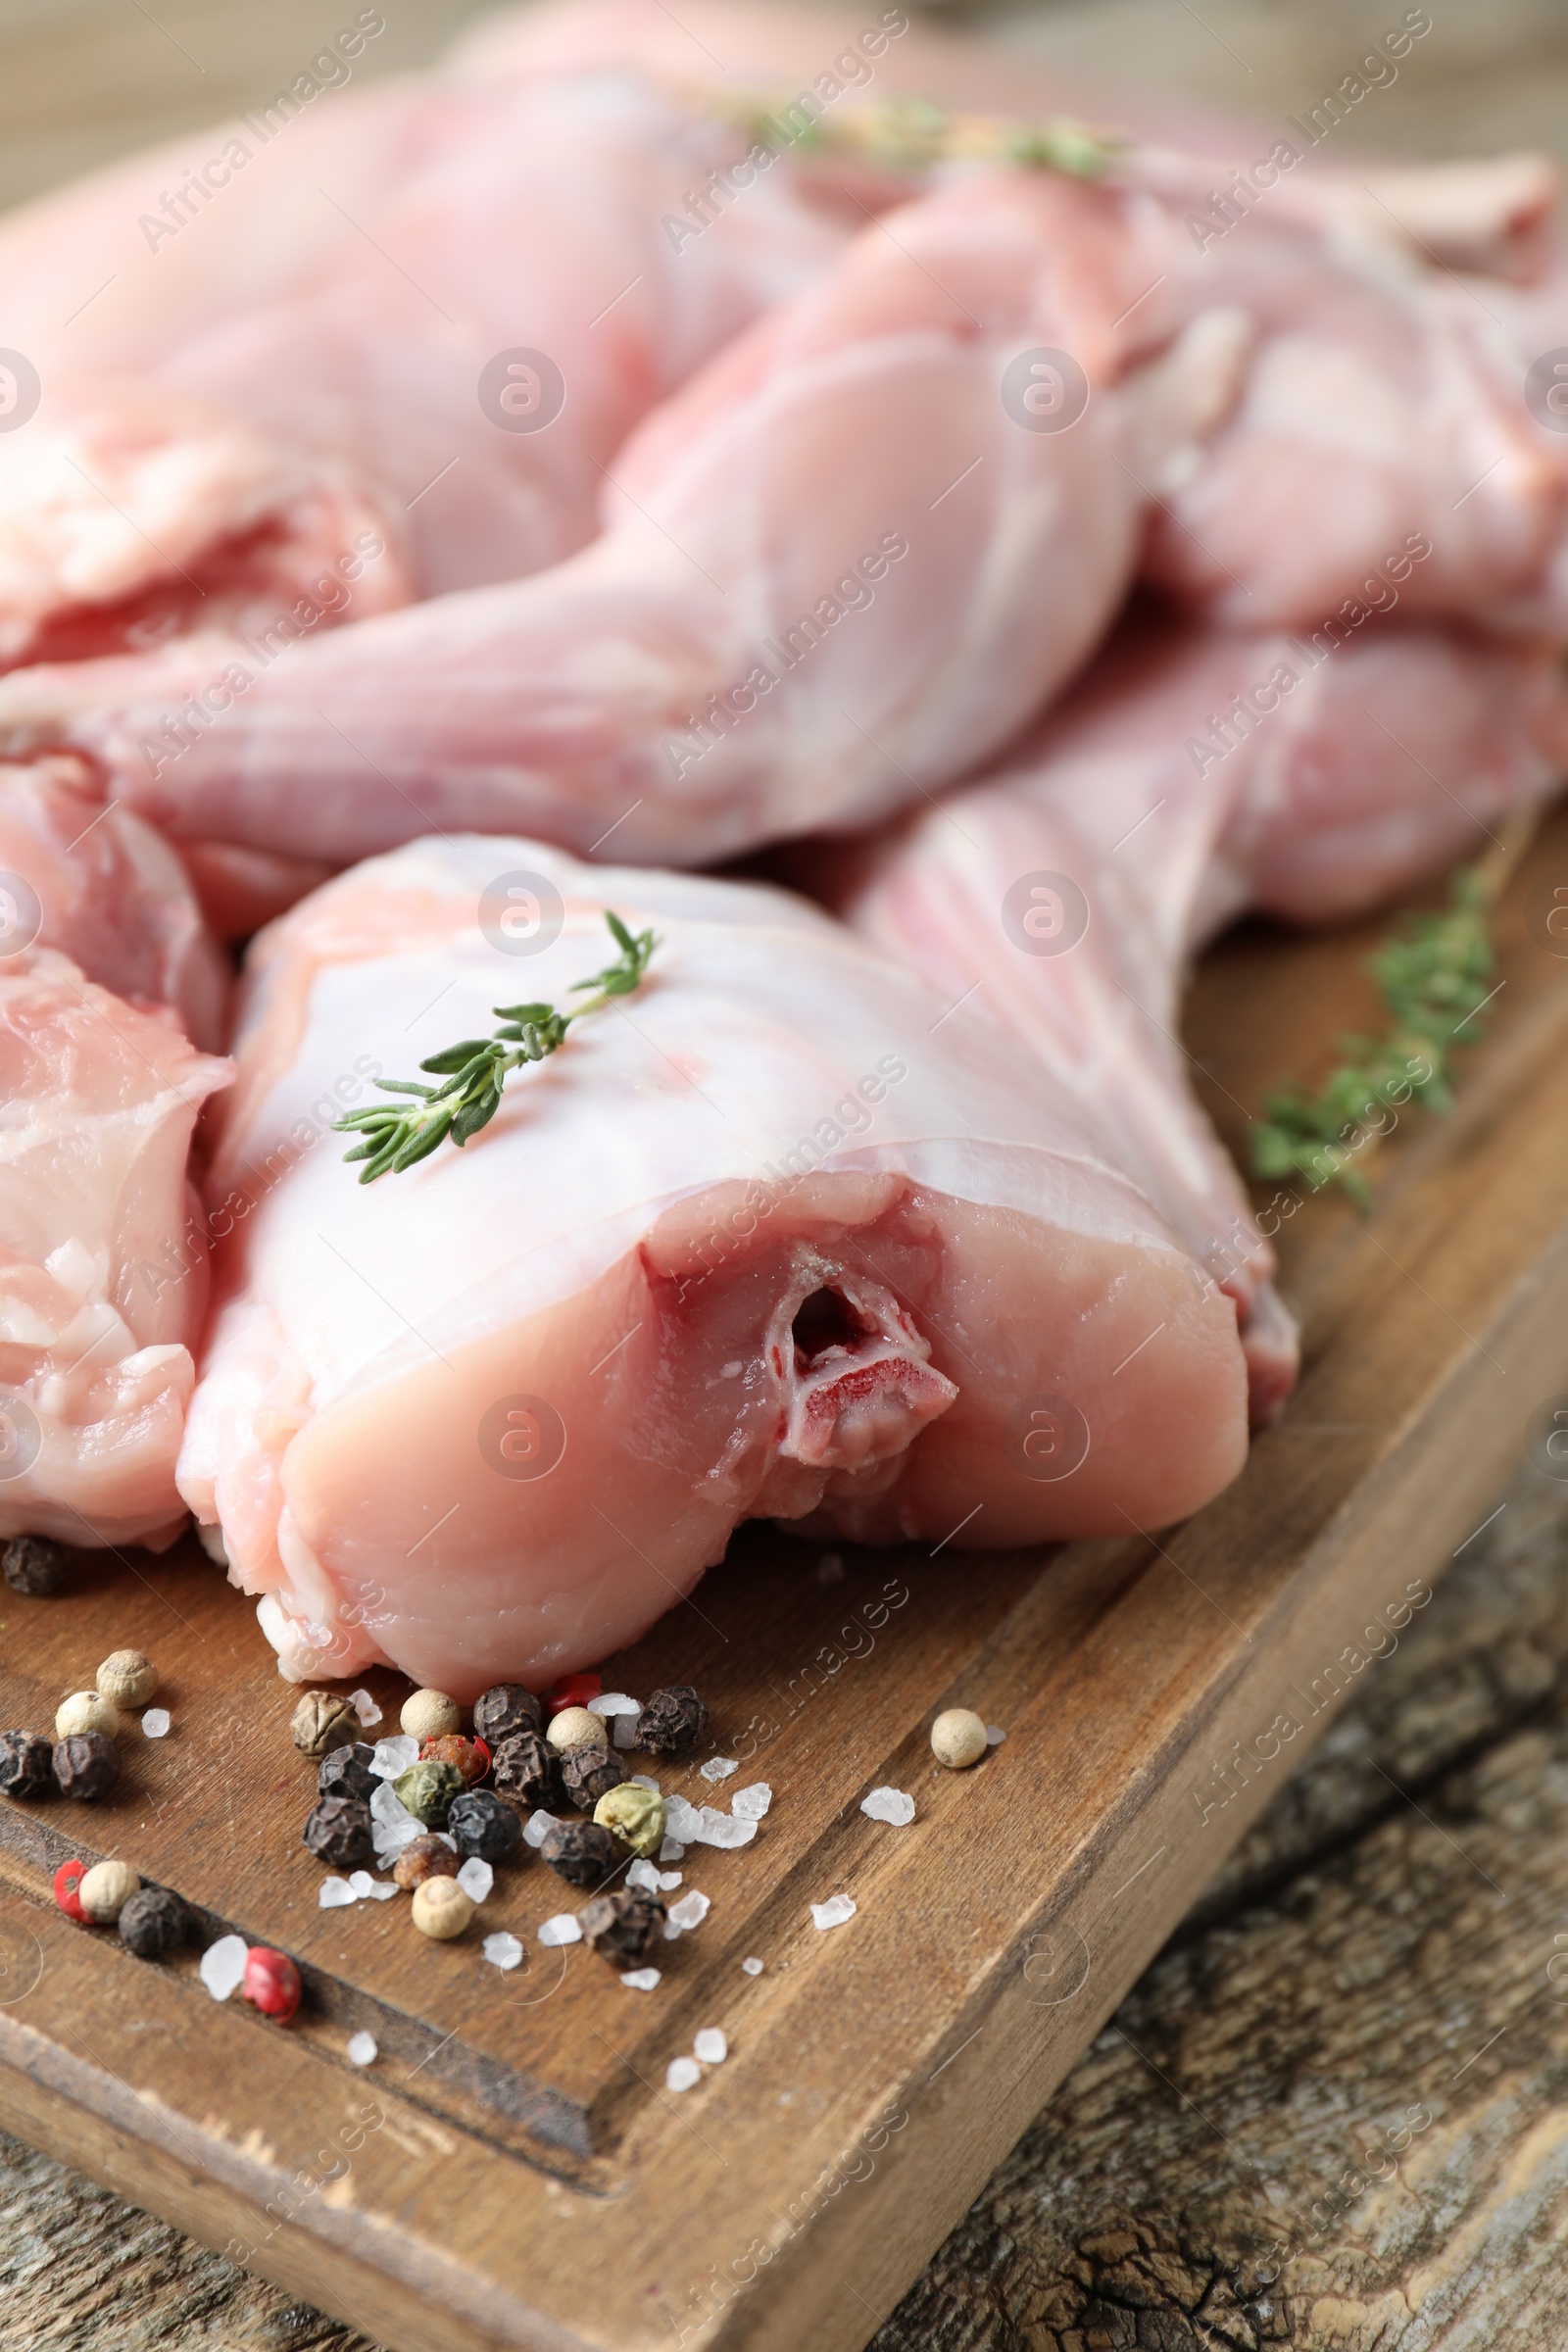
[1333, 2114]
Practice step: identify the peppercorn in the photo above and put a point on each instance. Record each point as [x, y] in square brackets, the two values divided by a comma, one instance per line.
[270, 1982]
[589, 1773]
[426, 1858]
[504, 1708]
[106, 1891]
[959, 1738]
[441, 1909]
[634, 1815]
[338, 1831]
[574, 1727]
[621, 1926]
[86, 1711]
[674, 1719]
[26, 1763]
[321, 1722]
[128, 1678]
[482, 1825]
[527, 1768]
[470, 1757]
[86, 1765]
[66, 1881]
[427, 1791]
[429, 1715]
[154, 1922]
[34, 1565]
[581, 1851]
[346, 1772]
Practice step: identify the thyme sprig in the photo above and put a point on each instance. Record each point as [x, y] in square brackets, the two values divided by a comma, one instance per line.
[1433, 976]
[399, 1134]
[916, 134]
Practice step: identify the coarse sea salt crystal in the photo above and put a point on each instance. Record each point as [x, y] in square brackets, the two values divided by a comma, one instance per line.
[642, 1873]
[672, 1850]
[366, 1709]
[623, 1730]
[668, 1878]
[362, 1883]
[710, 2047]
[361, 2049]
[833, 1913]
[155, 1723]
[503, 1950]
[995, 1734]
[477, 1878]
[681, 2073]
[538, 1825]
[690, 1911]
[752, 1967]
[751, 1804]
[722, 1828]
[392, 1825]
[682, 1820]
[719, 1768]
[562, 1928]
[336, 1893]
[614, 1702]
[641, 1980]
[223, 1966]
[394, 1756]
[643, 1780]
[891, 1805]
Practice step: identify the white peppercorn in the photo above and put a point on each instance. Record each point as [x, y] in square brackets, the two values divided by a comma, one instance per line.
[128, 1678]
[106, 1889]
[430, 1715]
[574, 1727]
[86, 1711]
[957, 1737]
[441, 1909]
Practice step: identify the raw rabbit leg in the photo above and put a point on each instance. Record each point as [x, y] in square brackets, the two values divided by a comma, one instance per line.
[1192, 776]
[841, 567]
[760, 1242]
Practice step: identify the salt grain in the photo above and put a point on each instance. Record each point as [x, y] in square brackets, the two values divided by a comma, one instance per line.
[362, 2046]
[681, 2073]
[536, 1828]
[336, 1893]
[719, 1768]
[614, 1702]
[642, 1873]
[722, 1828]
[362, 1883]
[366, 1709]
[891, 1805]
[562, 1928]
[392, 1825]
[995, 1734]
[668, 1878]
[223, 1966]
[623, 1730]
[752, 1967]
[751, 1804]
[643, 1780]
[691, 1910]
[641, 1980]
[394, 1756]
[672, 1850]
[155, 1723]
[503, 1950]
[833, 1913]
[682, 1820]
[710, 2047]
[477, 1878]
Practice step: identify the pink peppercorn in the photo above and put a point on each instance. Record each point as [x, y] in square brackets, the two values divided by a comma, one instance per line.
[574, 1690]
[68, 1878]
[272, 1983]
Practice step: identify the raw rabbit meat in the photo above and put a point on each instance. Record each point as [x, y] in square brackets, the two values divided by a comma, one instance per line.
[1192, 776]
[103, 1267]
[841, 567]
[103, 888]
[770, 1239]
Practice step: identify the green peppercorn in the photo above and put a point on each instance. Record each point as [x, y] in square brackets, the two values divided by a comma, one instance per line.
[634, 1816]
[427, 1791]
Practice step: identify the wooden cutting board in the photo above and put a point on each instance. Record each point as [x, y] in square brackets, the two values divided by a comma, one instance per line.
[512, 2171]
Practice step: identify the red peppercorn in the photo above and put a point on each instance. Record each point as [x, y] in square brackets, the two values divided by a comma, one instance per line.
[574, 1690]
[68, 1878]
[272, 1983]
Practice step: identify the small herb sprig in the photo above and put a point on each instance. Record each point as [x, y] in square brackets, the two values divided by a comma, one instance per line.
[916, 134]
[397, 1135]
[1434, 974]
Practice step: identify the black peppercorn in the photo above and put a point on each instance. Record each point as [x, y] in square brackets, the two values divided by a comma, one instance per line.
[86, 1765]
[589, 1773]
[529, 1769]
[581, 1851]
[505, 1709]
[622, 1927]
[154, 1922]
[34, 1564]
[480, 1824]
[26, 1764]
[346, 1772]
[338, 1831]
[673, 1719]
